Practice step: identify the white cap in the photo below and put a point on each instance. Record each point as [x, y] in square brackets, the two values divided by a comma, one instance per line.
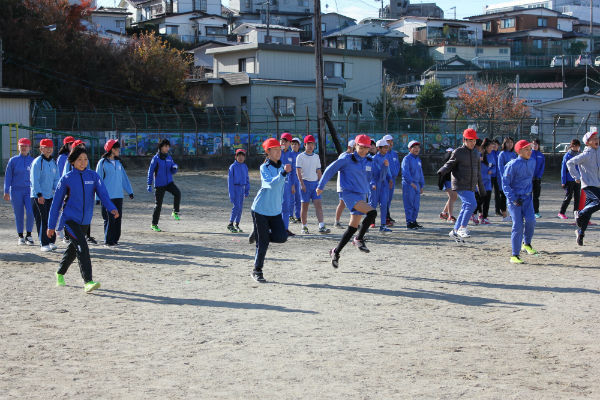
[450, 149]
[412, 143]
[387, 137]
[351, 143]
[588, 136]
[296, 140]
[381, 142]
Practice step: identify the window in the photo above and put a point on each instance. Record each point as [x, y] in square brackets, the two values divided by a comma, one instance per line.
[285, 105]
[172, 29]
[248, 3]
[451, 50]
[242, 65]
[200, 5]
[517, 46]
[508, 23]
[244, 103]
[479, 50]
[357, 108]
[503, 51]
[246, 65]
[323, 28]
[538, 44]
[334, 69]
[120, 24]
[328, 106]
[564, 120]
[353, 43]
[488, 26]
[445, 82]
[542, 22]
[303, 3]
[215, 31]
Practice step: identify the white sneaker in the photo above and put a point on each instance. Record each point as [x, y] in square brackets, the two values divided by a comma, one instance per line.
[53, 246]
[21, 241]
[29, 241]
[46, 249]
[463, 233]
[508, 218]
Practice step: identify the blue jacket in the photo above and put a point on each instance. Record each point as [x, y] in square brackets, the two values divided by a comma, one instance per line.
[238, 176]
[395, 165]
[565, 176]
[61, 160]
[354, 173]
[503, 159]
[18, 172]
[79, 188]
[412, 171]
[492, 159]
[517, 180]
[540, 163]
[289, 157]
[44, 177]
[162, 168]
[293, 175]
[380, 174]
[114, 178]
[589, 167]
[269, 198]
[485, 176]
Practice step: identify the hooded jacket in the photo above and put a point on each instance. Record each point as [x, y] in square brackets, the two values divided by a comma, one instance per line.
[161, 170]
[465, 166]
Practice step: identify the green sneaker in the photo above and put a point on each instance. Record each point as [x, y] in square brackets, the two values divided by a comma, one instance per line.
[91, 285]
[530, 250]
[60, 279]
[155, 228]
[305, 230]
[516, 260]
[239, 229]
[231, 228]
[175, 216]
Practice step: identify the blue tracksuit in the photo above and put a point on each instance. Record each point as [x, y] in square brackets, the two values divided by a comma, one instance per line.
[517, 185]
[297, 198]
[17, 184]
[565, 176]
[288, 157]
[380, 178]
[238, 183]
[540, 163]
[395, 168]
[114, 178]
[412, 172]
[486, 177]
[43, 177]
[61, 160]
[492, 159]
[503, 159]
[161, 170]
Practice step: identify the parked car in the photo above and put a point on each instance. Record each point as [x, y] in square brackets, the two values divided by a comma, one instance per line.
[559, 61]
[584, 59]
[597, 61]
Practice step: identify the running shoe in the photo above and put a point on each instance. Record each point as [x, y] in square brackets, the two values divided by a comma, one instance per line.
[474, 219]
[45, 249]
[252, 237]
[60, 279]
[391, 219]
[231, 228]
[90, 286]
[324, 229]
[372, 226]
[385, 230]
[579, 237]
[155, 228]
[455, 236]
[389, 222]
[53, 246]
[508, 218]
[530, 250]
[418, 225]
[360, 244]
[258, 277]
[21, 241]
[562, 216]
[411, 225]
[463, 233]
[443, 215]
[175, 216]
[335, 258]
[484, 221]
[239, 229]
[516, 260]
[305, 230]
[538, 215]
[29, 241]
[92, 240]
[338, 225]
[575, 214]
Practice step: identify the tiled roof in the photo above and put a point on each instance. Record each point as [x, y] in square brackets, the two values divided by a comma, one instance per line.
[538, 85]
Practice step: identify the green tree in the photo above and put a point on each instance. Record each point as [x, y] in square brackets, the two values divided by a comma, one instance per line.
[412, 60]
[394, 103]
[577, 47]
[431, 101]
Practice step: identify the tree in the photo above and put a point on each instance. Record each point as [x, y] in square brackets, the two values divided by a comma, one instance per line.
[490, 101]
[412, 60]
[431, 101]
[577, 47]
[394, 102]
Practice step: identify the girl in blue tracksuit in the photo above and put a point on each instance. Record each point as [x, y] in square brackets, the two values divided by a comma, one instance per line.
[413, 183]
[395, 168]
[17, 191]
[161, 171]
[380, 182]
[75, 195]
[517, 186]
[354, 170]
[238, 183]
[297, 198]
[572, 188]
[115, 180]
[61, 160]
[540, 164]
[487, 168]
[507, 154]
[287, 157]
[43, 178]
[267, 205]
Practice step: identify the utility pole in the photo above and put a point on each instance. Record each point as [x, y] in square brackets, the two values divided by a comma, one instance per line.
[319, 81]
[1, 61]
[384, 101]
[591, 27]
[268, 37]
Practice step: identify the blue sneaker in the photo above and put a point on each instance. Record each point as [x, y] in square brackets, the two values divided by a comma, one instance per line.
[385, 230]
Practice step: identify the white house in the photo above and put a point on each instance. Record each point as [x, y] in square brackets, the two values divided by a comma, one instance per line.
[366, 36]
[437, 31]
[257, 33]
[144, 10]
[110, 19]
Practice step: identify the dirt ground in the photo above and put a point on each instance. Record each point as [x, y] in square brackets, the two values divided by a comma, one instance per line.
[178, 316]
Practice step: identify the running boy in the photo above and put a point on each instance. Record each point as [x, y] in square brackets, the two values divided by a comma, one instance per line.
[540, 164]
[238, 183]
[572, 188]
[161, 171]
[517, 184]
[380, 183]
[266, 208]
[308, 169]
[287, 157]
[413, 183]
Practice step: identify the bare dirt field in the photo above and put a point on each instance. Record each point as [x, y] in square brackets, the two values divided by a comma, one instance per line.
[178, 316]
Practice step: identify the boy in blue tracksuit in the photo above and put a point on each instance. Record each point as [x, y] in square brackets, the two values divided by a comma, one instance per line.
[540, 164]
[572, 188]
[288, 157]
[266, 208]
[161, 171]
[517, 184]
[395, 168]
[380, 181]
[507, 154]
[297, 198]
[116, 181]
[17, 191]
[238, 183]
[75, 195]
[43, 178]
[492, 159]
[413, 183]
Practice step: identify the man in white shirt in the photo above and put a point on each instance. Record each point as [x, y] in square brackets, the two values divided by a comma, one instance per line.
[308, 168]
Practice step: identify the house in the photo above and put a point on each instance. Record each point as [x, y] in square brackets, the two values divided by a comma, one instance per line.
[144, 10]
[203, 63]
[257, 33]
[402, 8]
[436, 31]
[330, 22]
[537, 93]
[451, 72]
[111, 19]
[259, 78]
[285, 12]
[574, 8]
[366, 36]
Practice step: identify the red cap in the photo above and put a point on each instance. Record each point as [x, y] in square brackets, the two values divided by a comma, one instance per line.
[470, 133]
[309, 139]
[46, 143]
[238, 151]
[363, 140]
[109, 145]
[271, 143]
[287, 136]
[78, 142]
[521, 144]
[68, 139]
[25, 142]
